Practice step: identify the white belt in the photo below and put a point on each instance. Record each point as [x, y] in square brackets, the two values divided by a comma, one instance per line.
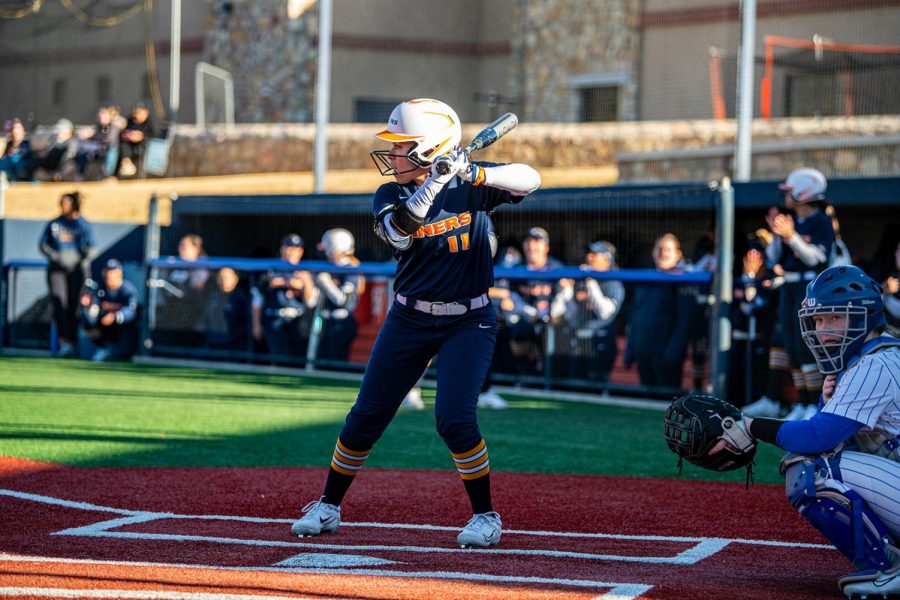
[443, 309]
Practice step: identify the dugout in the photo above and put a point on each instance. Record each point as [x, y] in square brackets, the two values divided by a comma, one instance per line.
[629, 216]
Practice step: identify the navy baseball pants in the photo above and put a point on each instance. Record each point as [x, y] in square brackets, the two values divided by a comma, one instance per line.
[409, 338]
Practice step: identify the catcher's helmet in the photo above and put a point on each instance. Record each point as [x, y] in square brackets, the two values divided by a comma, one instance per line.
[842, 290]
[805, 185]
[431, 124]
[337, 242]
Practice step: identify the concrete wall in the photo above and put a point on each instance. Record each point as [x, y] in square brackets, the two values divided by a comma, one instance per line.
[689, 150]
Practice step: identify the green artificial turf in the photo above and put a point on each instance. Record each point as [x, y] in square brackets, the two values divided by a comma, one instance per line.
[117, 414]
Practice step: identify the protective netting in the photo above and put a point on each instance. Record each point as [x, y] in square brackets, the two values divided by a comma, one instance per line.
[259, 310]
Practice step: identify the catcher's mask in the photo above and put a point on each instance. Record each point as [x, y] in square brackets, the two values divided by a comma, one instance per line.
[846, 291]
[694, 424]
[431, 125]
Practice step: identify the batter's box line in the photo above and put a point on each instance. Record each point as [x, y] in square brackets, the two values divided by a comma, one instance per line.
[617, 591]
[703, 548]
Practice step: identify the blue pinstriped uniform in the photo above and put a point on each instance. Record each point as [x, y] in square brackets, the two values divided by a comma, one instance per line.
[869, 393]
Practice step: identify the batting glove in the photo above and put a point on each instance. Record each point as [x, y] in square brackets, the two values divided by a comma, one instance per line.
[444, 168]
[468, 171]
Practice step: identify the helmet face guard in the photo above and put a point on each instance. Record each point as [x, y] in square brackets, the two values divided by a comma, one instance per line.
[385, 167]
[845, 291]
[831, 347]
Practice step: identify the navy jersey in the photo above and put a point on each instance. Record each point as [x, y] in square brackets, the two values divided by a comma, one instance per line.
[816, 229]
[340, 302]
[123, 301]
[450, 256]
[66, 241]
[282, 296]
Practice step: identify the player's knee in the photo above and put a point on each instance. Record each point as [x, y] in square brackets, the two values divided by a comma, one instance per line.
[459, 436]
[814, 488]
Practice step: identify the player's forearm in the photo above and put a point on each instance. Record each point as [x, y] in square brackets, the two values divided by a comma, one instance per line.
[810, 254]
[603, 306]
[515, 178]
[420, 202]
[813, 436]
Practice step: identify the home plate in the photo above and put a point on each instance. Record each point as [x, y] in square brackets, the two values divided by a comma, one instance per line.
[318, 560]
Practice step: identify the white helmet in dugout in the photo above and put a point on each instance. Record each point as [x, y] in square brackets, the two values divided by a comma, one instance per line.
[431, 124]
[805, 185]
[337, 242]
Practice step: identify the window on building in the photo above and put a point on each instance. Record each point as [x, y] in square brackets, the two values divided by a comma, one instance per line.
[599, 103]
[58, 91]
[104, 89]
[373, 110]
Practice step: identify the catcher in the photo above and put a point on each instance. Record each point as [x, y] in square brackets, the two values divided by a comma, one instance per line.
[842, 473]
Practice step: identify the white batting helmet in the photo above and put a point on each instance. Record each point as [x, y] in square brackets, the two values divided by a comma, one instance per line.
[805, 185]
[337, 242]
[431, 124]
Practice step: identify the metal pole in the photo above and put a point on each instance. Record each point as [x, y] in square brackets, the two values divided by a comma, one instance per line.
[722, 289]
[151, 252]
[743, 141]
[323, 95]
[175, 60]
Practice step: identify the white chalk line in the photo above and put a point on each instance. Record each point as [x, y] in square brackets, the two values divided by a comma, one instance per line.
[618, 591]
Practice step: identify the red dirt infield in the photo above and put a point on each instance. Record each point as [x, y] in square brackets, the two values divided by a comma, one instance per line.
[219, 533]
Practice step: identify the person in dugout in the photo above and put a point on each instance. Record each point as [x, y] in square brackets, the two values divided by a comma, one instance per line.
[338, 296]
[283, 301]
[588, 325]
[109, 313]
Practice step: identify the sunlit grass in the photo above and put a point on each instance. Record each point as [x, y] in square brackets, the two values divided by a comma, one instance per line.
[80, 413]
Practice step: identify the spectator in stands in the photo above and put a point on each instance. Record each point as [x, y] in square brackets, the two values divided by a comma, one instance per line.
[55, 163]
[840, 254]
[661, 321]
[94, 152]
[587, 326]
[282, 303]
[338, 296]
[752, 322]
[228, 313]
[133, 140]
[68, 243]
[109, 314]
[183, 298]
[17, 153]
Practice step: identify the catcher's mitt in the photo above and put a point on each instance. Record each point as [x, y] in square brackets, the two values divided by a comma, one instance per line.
[696, 422]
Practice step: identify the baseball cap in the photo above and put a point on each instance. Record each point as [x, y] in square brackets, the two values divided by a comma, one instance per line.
[602, 248]
[805, 185]
[538, 233]
[292, 240]
[113, 264]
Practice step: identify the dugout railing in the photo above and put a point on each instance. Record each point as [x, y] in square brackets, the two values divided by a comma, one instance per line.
[194, 330]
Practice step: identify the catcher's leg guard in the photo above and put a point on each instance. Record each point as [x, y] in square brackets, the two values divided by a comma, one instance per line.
[814, 489]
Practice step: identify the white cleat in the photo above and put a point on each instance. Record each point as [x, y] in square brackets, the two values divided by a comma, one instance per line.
[764, 407]
[482, 531]
[491, 399]
[872, 584]
[413, 400]
[318, 517]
